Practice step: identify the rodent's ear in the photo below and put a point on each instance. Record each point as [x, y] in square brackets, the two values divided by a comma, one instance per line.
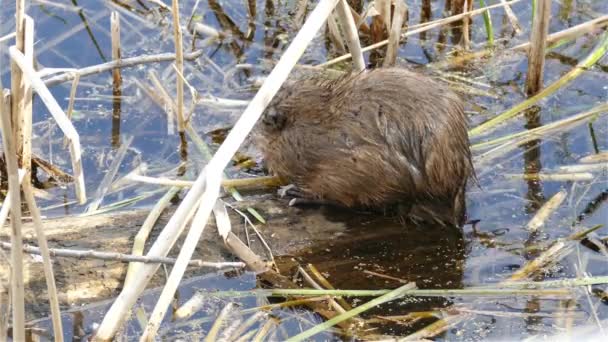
[273, 119]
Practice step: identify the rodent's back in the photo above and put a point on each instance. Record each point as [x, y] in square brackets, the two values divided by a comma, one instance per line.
[371, 139]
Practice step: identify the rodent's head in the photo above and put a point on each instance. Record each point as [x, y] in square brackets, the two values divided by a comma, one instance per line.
[305, 97]
[273, 119]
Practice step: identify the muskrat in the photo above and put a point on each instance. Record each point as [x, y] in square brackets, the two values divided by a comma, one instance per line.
[372, 139]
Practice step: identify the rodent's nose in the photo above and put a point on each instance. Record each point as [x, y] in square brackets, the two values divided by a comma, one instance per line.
[273, 119]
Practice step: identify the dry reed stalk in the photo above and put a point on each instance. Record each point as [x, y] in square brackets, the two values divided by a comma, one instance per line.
[106, 182]
[312, 283]
[422, 28]
[115, 36]
[113, 256]
[219, 322]
[18, 84]
[70, 110]
[16, 278]
[327, 285]
[395, 33]
[46, 260]
[384, 10]
[466, 23]
[350, 34]
[164, 100]
[6, 205]
[62, 121]
[243, 252]
[193, 95]
[179, 63]
[436, 328]
[194, 234]
[7, 37]
[300, 13]
[556, 177]
[191, 306]
[595, 158]
[5, 309]
[219, 102]
[256, 317]
[536, 54]
[211, 32]
[546, 210]
[512, 17]
[24, 137]
[584, 167]
[139, 242]
[123, 63]
[206, 188]
[551, 256]
[334, 34]
[265, 329]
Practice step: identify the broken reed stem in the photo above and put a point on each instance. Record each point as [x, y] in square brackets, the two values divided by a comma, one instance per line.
[62, 121]
[325, 283]
[422, 28]
[16, 278]
[395, 33]
[24, 137]
[6, 205]
[334, 34]
[555, 177]
[179, 64]
[545, 211]
[113, 256]
[384, 9]
[237, 183]
[70, 109]
[115, 34]
[219, 321]
[5, 304]
[123, 63]
[512, 18]
[598, 52]
[536, 54]
[466, 23]
[106, 182]
[18, 84]
[350, 34]
[164, 100]
[46, 260]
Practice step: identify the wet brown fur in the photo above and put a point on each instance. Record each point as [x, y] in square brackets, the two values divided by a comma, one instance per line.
[373, 139]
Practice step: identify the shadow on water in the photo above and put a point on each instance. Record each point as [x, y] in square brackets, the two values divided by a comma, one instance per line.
[376, 252]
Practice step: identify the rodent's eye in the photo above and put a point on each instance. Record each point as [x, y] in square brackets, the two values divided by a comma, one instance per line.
[273, 119]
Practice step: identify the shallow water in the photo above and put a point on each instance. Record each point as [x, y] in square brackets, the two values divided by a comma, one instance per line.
[504, 205]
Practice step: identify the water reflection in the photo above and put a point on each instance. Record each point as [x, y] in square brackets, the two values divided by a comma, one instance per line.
[376, 252]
